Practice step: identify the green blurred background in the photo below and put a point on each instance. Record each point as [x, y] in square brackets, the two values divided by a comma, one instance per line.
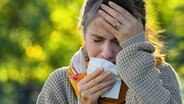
[38, 36]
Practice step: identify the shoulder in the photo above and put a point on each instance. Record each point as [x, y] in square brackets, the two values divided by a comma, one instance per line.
[58, 77]
[167, 68]
[55, 88]
[170, 81]
[59, 73]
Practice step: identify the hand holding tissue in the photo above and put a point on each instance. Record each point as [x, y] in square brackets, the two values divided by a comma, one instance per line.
[95, 63]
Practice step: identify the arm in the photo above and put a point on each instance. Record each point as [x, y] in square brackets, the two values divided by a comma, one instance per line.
[135, 63]
[147, 84]
[169, 78]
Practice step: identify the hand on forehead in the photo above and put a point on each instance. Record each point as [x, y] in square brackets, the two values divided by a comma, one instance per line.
[97, 28]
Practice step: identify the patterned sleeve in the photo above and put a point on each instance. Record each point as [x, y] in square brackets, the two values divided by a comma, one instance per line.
[57, 89]
[147, 84]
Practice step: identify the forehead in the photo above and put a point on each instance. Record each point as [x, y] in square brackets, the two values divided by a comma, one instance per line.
[96, 27]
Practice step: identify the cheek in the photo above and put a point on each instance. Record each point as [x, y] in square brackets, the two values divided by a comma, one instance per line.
[117, 49]
[92, 49]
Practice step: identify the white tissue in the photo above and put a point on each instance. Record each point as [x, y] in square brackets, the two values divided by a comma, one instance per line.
[95, 63]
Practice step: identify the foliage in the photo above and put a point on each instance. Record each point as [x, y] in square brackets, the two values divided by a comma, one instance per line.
[38, 36]
[170, 16]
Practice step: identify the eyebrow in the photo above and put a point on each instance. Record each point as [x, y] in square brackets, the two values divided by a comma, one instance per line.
[95, 35]
[101, 37]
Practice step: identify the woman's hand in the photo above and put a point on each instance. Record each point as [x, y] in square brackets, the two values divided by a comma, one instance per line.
[120, 22]
[94, 85]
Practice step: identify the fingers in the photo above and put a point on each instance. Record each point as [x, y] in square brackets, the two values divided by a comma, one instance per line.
[92, 75]
[102, 91]
[87, 98]
[128, 25]
[91, 95]
[96, 89]
[120, 17]
[98, 79]
[94, 85]
[108, 18]
[121, 10]
[109, 27]
[86, 85]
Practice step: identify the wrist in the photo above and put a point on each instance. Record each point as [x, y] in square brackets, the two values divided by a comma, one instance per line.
[141, 37]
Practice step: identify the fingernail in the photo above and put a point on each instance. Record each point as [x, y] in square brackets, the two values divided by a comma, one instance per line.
[102, 6]
[100, 11]
[110, 2]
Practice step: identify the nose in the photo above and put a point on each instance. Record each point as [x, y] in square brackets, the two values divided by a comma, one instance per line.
[108, 51]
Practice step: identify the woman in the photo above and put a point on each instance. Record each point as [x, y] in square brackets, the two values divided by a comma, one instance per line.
[115, 31]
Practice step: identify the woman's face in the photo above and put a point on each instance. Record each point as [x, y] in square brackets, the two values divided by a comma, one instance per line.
[100, 42]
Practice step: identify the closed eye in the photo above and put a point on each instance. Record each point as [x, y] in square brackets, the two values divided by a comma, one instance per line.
[97, 38]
